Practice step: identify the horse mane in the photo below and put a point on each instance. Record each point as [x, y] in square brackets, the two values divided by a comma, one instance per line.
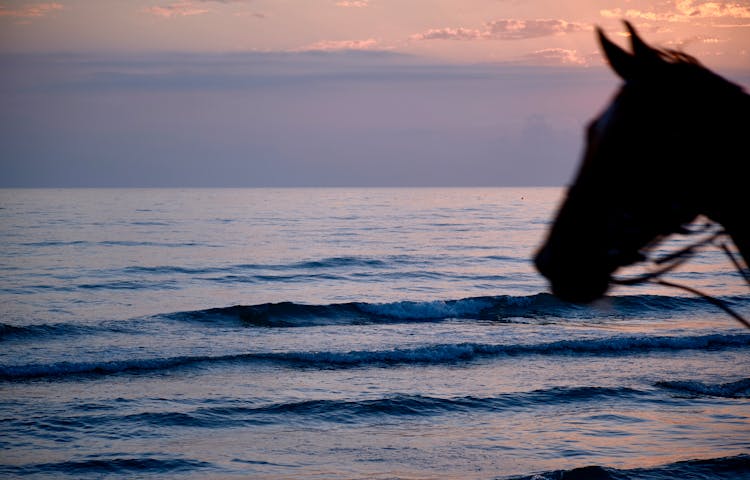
[670, 55]
[689, 65]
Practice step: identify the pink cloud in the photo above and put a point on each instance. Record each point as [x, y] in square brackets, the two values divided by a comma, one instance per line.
[521, 29]
[685, 10]
[682, 43]
[505, 29]
[449, 34]
[334, 45]
[258, 15]
[352, 3]
[619, 13]
[181, 8]
[556, 56]
[30, 11]
[692, 8]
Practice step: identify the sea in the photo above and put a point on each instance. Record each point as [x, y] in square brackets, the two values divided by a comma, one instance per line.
[349, 333]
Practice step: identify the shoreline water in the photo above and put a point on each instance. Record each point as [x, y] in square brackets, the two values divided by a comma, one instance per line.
[347, 333]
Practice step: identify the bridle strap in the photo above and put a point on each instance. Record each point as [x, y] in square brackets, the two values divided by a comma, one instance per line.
[675, 259]
[743, 271]
[713, 300]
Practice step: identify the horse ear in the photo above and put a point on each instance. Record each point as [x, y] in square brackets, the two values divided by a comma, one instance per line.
[621, 61]
[645, 54]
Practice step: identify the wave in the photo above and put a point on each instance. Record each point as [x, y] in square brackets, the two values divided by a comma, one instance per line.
[327, 263]
[431, 354]
[130, 285]
[495, 308]
[738, 389]
[7, 331]
[289, 314]
[421, 405]
[107, 466]
[112, 243]
[242, 412]
[726, 468]
[324, 263]
[542, 307]
[56, 243]
[140, 243]
[54, 330]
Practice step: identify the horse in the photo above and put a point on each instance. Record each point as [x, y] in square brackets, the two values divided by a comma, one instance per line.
[672, 145]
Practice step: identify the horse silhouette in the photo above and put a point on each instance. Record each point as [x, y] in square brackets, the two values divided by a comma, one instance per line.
[672, 145]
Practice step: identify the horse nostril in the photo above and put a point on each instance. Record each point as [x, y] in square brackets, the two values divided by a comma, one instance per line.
[571, 281]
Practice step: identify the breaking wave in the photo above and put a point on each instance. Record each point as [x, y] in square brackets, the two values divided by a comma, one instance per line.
[727, 468]
[430, 354]
[738, 389]
[494, 308]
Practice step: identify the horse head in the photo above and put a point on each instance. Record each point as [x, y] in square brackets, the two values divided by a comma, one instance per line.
[643, 173]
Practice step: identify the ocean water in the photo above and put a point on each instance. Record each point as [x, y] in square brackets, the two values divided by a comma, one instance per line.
[348, 333]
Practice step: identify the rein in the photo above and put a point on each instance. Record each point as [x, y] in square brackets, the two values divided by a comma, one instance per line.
[671, 261]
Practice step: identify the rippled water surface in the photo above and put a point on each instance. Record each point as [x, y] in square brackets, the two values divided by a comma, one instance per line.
[347, 333]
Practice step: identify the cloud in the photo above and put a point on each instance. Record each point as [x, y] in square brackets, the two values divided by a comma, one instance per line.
[684, 11]
[701, 39]
[682, 43]
[505, 29]
[521, 29]
[555, 56]
[184, 8]
[335, 45]
[30, 11]
[459, 33]
[181, 8]
[353, 3]
[619, 13]
[691, 8]
[259, 15]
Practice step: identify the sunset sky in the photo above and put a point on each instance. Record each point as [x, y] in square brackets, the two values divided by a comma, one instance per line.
[322, 92]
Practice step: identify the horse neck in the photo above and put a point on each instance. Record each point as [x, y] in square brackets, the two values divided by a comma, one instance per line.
[724, 187]
[741, 238]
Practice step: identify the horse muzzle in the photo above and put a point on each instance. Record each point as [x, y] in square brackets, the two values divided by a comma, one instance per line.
[571, 280]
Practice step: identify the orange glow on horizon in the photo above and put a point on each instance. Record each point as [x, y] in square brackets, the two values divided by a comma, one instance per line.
[519, 32]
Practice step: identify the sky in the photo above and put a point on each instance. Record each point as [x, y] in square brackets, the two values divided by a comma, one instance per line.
[185, 93]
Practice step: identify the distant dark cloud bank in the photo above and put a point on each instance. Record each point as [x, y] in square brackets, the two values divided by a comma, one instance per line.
[291, 119]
